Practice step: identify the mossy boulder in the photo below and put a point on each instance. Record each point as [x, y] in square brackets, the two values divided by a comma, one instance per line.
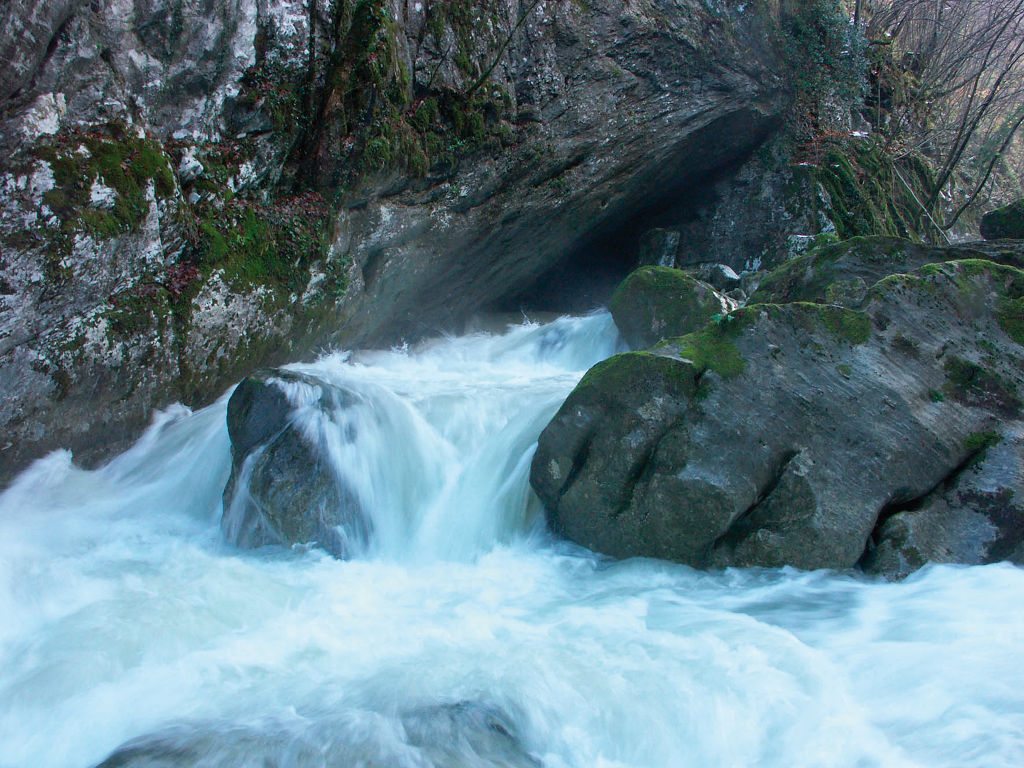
[655, 303]
[283, 488]
[791, 434]
[1006, 223]
[842, 272]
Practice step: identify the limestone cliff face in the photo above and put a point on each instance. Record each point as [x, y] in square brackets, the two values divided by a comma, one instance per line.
[191, 189]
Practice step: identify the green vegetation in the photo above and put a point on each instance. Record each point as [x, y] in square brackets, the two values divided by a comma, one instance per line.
[1011, 318]
[977, 386]
[255, 243]
[981, 441]
[712, 348]
[871, 193]
[976, 445]
[622, 373]
[842, 323]
[653, 303]
[825, 58]
[110, 155]
[372, 118]
[854, 327]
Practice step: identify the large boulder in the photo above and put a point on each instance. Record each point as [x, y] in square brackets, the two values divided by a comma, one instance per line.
[1004, 223]
[783, 434]
[283, 488]
[655, 303]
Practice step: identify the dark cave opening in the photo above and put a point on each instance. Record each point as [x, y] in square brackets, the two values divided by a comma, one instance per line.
[586, 277]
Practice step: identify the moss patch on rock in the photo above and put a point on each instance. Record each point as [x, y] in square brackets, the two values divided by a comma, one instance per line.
[1004, 223]
[870, 192]
[979, 386]
[713, 347]
[623, 374]
[372, 119]
[110, 159]
[263, 243]
[655, 303]
[835, 273]
[1011, 318]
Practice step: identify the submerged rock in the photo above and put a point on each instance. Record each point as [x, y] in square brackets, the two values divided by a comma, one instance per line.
[782, 434]
[654, 303]
[1004, 223]
[283, 488]
[465, 733]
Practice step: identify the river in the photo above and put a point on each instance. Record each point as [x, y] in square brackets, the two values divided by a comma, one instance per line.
[464, 635]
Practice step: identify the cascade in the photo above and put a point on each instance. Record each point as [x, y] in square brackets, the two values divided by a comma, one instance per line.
[132, 633]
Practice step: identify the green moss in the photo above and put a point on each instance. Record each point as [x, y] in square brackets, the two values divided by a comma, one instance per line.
[100, 224]
[263, 243]
[115, 157]
[712, 348]
[374, 119]
[976, 445]
[1011, 318]
[846, 324]
[936, 396]
[870, 192]
[654, 303]
[978, 442]
[977, 386]
[631, 371]
[844, 370]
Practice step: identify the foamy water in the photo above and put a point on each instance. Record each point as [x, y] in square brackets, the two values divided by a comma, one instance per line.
[124, 615]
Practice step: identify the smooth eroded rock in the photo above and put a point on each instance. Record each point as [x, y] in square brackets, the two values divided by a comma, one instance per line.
[283, 487]
[782, 433]
[464, 733]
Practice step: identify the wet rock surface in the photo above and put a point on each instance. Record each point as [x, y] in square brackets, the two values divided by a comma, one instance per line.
[283, 488]
[465, 733]
[783, 434]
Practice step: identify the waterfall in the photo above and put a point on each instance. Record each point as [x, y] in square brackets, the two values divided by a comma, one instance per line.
[462, 634]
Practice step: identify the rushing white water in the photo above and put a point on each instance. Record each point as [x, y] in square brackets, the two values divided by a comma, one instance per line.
[123, 615]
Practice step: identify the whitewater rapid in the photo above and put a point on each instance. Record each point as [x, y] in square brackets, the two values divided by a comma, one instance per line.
[125, 616]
